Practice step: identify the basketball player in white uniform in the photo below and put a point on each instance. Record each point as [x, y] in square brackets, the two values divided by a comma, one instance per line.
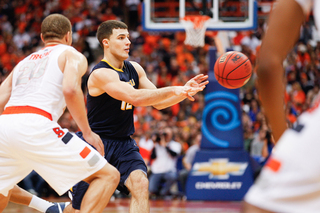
[290, 181]
[32, 99]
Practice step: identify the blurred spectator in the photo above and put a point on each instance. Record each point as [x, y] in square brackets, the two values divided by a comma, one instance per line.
[303, 57]
[133, 16]
[306, 85]
[5, 25]
[313, 95]
[262, 145]
[188, 160]
[164, 163]
[117, 10]
[257, 145]
[298, 96]
[146, 146]
[164, 78]
[251, 41]
[21, 37]
[254, 109]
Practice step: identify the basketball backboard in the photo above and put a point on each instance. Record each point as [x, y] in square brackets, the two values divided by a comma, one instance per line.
[165, 15]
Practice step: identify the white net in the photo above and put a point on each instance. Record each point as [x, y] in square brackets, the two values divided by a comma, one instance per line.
[195, 27]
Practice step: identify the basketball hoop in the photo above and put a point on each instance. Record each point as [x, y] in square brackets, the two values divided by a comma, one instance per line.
[195, 26]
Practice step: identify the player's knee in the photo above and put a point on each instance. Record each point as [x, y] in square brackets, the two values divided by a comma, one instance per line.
[143, 184]
[113, 175]
[140, 183]
[262, 69]
[110, 174]
[266, 66]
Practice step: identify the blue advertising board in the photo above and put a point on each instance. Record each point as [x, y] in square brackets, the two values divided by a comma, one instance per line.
[222, 169]
[221, 118]
[222, 175]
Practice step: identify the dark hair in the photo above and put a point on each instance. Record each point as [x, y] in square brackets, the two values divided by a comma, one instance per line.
[105, 29]
[55, 26]
[157, 138]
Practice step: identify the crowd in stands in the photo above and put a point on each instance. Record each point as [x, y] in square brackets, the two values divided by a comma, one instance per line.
[167, 61]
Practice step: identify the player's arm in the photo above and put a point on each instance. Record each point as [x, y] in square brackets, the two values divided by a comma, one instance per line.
[282, 33]
[198, 81]
[5, 91]
[107, 80]
[75, 67]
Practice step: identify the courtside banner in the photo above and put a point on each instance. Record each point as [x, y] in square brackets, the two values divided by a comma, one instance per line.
[224, 175]
[221, 118]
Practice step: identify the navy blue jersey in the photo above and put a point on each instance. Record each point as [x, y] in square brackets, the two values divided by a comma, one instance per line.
[109, 117]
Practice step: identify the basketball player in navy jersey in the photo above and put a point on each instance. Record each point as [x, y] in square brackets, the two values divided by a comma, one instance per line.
[115, 87]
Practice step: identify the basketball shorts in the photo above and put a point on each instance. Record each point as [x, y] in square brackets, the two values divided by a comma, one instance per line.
[122, 154]
[34, 142]
[306, 5]
[290, 180]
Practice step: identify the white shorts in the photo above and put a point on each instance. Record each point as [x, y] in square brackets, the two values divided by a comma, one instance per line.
[33, 142]
[307, 6]
[290, 181]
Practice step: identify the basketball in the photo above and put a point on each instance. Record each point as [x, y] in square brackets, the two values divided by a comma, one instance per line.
[233, 69]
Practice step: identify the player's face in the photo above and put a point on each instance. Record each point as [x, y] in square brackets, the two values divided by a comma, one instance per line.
[119, 43]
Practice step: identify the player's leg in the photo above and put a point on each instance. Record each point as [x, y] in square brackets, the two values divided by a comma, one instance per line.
[70, 209]
[138, 183]
[282, 33]
[4, 200]
[124, 155]
[13, 166]
[127, 159]
[134, 176]
[102, 185]
[22, 197]
[66, 160]
[289, 182]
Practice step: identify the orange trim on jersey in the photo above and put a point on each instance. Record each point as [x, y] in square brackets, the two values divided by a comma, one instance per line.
[26, 109]
[52, 45]
[273, 164]
[85, 152]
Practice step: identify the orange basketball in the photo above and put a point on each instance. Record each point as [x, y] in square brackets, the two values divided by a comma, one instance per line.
[233, 69]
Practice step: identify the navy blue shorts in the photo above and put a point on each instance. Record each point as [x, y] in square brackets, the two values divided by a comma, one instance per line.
[122, 154]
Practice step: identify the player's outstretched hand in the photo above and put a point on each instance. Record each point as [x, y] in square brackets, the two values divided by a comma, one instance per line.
[95, 140]
[200, 80]
[187, 90]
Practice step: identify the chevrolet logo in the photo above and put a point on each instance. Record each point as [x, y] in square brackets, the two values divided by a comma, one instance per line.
[219, 168]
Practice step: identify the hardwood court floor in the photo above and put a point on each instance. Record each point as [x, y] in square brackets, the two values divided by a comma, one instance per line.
[157, 206]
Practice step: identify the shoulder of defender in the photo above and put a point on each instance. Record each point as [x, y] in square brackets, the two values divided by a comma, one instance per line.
[72, 52]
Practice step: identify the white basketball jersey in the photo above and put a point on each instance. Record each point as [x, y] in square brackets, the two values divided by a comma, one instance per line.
[37, 81]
